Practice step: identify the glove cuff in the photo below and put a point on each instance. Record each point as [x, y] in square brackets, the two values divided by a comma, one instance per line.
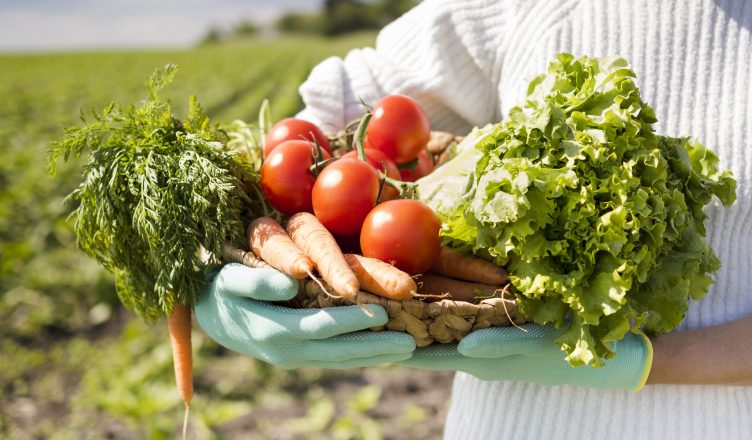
[648, 364]
[628, 370]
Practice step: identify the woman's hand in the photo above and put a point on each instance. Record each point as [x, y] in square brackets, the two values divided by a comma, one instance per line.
[712, 355]
[233, 310]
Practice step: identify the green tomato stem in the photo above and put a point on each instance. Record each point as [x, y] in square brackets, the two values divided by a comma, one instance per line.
[407, 190]
[382, 182]
[360, 136]
[319, 165]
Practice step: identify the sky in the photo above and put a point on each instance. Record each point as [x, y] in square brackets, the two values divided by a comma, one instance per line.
[51, 25]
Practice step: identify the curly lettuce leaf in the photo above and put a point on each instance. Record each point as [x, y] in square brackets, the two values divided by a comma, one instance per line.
[598, 219]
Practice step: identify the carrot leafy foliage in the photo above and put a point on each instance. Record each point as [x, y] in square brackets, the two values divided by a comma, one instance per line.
[155, 190]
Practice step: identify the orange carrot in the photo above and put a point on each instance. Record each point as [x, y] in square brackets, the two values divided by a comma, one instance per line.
[432, 284]
[271, 243]
[230, 253]
[315, 240]
[468, 268]
[179, 324]
[381, 278]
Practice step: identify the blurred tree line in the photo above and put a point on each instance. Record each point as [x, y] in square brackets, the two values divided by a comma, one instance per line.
[342, 16]
[336, 17]
[242, 29]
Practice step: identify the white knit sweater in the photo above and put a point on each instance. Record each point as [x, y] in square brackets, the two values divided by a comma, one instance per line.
[468, 62]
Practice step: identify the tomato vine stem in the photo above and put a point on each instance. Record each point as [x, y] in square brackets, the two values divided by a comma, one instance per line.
[360, 136]
[407, 190]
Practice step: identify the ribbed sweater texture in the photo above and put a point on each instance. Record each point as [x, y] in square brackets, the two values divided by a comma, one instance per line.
[469, 62]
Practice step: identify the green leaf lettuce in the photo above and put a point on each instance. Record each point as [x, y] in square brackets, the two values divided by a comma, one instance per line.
[598, 219]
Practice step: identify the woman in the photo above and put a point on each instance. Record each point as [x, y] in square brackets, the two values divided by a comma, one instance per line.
[467, 63]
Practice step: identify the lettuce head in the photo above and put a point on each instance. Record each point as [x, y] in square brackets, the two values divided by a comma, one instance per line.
[598, 220]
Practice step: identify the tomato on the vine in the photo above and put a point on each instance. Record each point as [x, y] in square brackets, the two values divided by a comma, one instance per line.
[286, 177]
[344, 194]
[422, 168]
[381, 162]
[292, 129]
[402, 232]
[399, 127]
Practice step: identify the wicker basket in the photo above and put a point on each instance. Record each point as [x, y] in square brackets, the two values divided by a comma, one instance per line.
[442, 321]
[428, 319]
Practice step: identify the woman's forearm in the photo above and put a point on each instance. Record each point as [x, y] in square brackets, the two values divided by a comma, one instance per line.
[714, 355]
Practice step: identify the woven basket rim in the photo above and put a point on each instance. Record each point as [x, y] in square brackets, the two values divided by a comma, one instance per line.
[442, 321]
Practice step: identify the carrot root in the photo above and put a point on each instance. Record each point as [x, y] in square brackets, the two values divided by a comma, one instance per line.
[321, 285]
[433, 284]
[269, 241]
[381, 278]
[317, 242]
[246, 258]
[179, 325]
[468, 267]
[185, 421]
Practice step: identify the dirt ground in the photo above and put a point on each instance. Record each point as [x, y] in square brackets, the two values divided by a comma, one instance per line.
[402, 391]
[50, 394]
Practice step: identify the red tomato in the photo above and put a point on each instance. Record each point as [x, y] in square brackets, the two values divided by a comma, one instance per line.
[382, 163]
[292, 129]
[403, 232]
[344, 194]
[423, 168]
[286, 178]
[399, 127]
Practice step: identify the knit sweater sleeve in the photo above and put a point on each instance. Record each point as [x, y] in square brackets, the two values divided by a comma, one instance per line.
[443, 53]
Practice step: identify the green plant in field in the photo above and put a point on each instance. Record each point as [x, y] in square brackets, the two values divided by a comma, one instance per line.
[356, 423]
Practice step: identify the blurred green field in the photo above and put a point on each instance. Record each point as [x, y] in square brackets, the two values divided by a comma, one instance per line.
[73, 363]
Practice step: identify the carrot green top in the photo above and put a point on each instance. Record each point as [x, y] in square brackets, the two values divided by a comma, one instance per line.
[155, 189]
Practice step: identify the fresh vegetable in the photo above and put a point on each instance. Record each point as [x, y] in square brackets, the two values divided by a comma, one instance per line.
[382, 163]
[598, 220]
[402, 232]
[381, 278]
[230, 253]
[399, 128]
[313, 239]
[422, 168]
[467, 267]
[156, 191]
[292, 129]
[179, 325]
[269, 241]
[286, 176]
[433, 284]
[344, 194]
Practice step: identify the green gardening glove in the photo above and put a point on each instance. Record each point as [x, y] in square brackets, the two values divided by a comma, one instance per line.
[508, 353]
[234, 311]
